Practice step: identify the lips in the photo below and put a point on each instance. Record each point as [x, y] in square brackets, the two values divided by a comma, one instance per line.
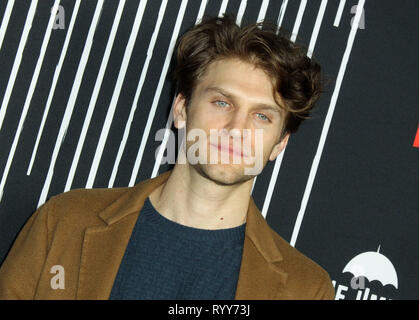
[229, 149]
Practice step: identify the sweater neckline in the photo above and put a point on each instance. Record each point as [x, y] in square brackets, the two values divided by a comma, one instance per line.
[150, 215]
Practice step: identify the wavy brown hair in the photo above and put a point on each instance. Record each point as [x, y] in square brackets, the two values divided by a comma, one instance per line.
[295, 77]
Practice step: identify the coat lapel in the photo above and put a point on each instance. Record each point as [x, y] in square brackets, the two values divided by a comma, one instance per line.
[104, 247]
[260, 276]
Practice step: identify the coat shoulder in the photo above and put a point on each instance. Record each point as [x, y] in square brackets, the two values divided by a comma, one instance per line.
[92, 198]
[81, 206]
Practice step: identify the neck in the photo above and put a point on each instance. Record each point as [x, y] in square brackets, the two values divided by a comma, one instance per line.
[190, 199]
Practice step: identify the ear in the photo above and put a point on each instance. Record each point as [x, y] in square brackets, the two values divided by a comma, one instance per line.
[277, 149]
[179, 111]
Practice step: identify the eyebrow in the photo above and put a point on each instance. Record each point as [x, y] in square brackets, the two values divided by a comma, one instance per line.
[275, 108]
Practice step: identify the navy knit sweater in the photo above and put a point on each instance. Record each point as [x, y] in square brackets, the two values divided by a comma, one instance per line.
[167, 260]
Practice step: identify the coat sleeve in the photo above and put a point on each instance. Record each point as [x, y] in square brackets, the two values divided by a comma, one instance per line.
[20, 272]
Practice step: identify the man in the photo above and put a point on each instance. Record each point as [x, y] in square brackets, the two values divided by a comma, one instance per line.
[193, 232]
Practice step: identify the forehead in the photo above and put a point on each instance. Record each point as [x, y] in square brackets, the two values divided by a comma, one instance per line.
[241, 78]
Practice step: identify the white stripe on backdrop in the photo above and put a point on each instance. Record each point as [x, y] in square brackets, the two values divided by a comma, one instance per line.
[339, 13]
[5, 21]
[298, 20]
[223, 8]
[240, 13]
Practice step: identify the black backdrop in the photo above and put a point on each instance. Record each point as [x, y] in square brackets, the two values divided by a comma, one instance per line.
[89, 89]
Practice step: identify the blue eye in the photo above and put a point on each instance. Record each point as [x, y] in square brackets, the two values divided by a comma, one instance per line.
[263, 117]
[221, 103]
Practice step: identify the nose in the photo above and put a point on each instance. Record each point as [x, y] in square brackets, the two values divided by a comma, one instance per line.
[237, 124]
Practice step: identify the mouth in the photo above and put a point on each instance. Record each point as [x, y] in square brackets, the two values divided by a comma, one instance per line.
[229, 149]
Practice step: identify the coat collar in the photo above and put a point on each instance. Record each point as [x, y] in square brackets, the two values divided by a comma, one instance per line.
[261, 276]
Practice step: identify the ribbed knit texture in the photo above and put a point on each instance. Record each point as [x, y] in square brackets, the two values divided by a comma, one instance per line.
[167, 260]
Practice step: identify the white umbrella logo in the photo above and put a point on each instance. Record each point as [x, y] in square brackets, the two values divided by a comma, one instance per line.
[373, 266]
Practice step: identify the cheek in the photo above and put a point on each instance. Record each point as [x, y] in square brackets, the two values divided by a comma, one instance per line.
[204, 120]
[268, 145]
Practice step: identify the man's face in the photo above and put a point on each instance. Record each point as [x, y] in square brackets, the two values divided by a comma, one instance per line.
[233, 99]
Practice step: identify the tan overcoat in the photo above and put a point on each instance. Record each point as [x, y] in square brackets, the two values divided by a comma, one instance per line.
[86, 232]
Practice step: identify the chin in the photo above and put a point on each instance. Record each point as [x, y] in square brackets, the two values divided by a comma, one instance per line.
[223, 174]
